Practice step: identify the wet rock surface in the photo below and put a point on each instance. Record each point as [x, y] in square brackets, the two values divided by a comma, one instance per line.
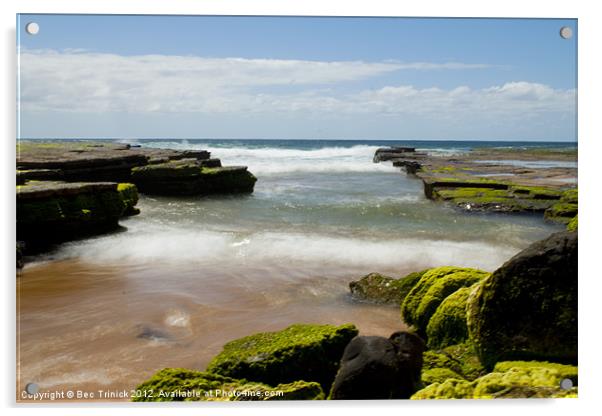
[54, 212]
[527, 309]
[496, 179]
[155, 171]
[379, 368]
[72, 189]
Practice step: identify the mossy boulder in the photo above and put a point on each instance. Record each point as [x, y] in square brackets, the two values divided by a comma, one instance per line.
[523, 381]
[447, 326]
[178, 384]
[527, 309]
[508, 380]
[461, 359]
[433, 287]
[573, 225]
[377, 288]
[129, 195]
[300, 352]
[561, 371]
[449, 389]
[439, 375]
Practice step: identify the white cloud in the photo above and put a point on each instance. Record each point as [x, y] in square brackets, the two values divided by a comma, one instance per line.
[80, 81]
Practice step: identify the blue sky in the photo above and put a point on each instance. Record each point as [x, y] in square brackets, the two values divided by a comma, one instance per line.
[289, 77]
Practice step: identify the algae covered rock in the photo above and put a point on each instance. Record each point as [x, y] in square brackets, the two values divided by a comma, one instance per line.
[178, 384]
[461, 359]
[300, 352]
[573, 224]
[377, 288]
[515, 379]
[449, 389]
[560, 371]
[129, 195]
[531, 380]
[51, 212]
[565, 209]
[527, 309]
[439, 375]
[447, 326]
[191, 177]
[432, 289]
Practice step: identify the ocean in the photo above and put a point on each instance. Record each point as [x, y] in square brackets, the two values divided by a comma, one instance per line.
[189, 274]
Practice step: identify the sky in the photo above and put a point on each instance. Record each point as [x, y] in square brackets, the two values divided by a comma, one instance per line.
[119, 76]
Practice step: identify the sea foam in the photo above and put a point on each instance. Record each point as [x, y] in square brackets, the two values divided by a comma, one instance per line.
[273, 160]
[265, 249]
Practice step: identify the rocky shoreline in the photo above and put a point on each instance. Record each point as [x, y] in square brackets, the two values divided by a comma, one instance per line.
[507, 334]
[70, 190]
[511, 333]
[495, 180]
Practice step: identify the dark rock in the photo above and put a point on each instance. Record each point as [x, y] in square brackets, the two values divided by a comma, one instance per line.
[152, 333]
[387, 153]
[20, 262]
[379, 368]
[189, 177]
[53, 212]
[156, 171]
[192, 154]
[410, 166]
[211, 163]
[527, 309]
[38, 174]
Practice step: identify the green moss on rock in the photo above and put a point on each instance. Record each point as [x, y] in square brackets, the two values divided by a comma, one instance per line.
[532, 381]
[189, 177]
[439, 375]
[496, 196]
[375, 287]
[447, 326]
[178, 384]
[570, 196]
[563, 370]
[527, 309]
[518, 379]
[460, 358]
[129, 195]
[449, 389]
[432, 288]
[572, 225]
[561, 212]
[299, 352]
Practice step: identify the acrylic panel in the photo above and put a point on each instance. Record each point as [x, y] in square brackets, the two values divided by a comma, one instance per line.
[295, 208]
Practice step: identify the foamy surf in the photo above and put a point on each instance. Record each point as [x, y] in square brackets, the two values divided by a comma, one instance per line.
[273, 160]
[188, 248]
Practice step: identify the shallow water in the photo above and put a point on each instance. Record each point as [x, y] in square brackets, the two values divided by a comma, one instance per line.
[190, 274]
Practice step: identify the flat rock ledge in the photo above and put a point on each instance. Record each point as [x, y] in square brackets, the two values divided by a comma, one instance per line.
[154, 171]
[495, 180]
[50, 212]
